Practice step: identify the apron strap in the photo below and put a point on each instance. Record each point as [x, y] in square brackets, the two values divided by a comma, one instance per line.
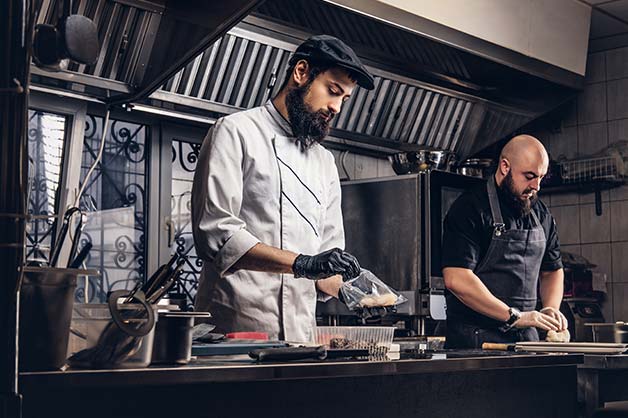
[498, 221]
[535, 218]
[496, 212]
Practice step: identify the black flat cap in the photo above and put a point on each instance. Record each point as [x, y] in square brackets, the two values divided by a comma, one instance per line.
[329, 50]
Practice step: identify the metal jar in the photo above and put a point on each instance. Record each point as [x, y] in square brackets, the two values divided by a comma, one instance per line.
[620, 330]
[46, 302]
[173, 339]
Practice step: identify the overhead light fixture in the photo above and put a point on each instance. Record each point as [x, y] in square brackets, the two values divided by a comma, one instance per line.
[173, 114]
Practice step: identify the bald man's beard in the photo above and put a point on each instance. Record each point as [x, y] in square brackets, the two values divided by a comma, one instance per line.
[521, 204]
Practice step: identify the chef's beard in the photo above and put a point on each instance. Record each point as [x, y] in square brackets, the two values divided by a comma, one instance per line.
[309, 127]
[522, 206]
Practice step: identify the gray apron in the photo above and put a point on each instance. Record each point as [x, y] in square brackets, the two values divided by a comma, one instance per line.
[510, 270]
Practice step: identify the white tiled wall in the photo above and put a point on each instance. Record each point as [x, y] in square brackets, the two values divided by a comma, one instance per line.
[598, 117]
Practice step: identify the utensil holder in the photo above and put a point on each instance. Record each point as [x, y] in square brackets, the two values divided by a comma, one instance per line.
[46, 302]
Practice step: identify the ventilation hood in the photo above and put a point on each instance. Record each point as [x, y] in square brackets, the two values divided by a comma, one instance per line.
[143, 42]
[435, 86]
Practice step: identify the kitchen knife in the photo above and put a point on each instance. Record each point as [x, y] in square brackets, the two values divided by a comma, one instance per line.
[353, 353]
[166, 283]
[159, 277]
[289, 353]
[498, 346]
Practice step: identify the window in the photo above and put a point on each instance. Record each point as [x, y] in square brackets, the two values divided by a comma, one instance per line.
[115, 203]
[46, 133]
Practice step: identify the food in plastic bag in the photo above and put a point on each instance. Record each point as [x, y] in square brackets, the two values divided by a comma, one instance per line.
[383, 300]
[367, 291]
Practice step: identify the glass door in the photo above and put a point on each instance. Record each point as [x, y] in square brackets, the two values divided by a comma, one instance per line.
[180, 149]
[115, 203]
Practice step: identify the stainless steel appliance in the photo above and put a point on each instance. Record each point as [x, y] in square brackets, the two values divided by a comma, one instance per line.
[393, 226]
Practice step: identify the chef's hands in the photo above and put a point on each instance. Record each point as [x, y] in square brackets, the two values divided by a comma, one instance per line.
[326, 264]
[538, 320]
[557, 315]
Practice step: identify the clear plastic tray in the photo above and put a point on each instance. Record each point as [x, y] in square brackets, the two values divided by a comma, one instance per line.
[376, 339]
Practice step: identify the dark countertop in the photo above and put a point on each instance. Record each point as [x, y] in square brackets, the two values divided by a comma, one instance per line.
[605, 361]
[208, 370]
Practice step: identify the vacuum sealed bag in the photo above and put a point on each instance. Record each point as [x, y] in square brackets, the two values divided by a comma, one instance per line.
[367, 291]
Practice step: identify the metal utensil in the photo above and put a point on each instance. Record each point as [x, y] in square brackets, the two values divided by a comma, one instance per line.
[75, 238]
[81, 256]
[154, 281]
[159, 277]
[166, 284]
[56, 251]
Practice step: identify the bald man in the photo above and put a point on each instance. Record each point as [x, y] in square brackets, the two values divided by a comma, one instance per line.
[499, 241]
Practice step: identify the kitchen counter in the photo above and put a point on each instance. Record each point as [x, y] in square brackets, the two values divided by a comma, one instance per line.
[600, 361]
[461, 386]
[209, 370]
[601, 379]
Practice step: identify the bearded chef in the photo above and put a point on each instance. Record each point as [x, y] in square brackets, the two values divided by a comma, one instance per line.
[266, 209]
[500, 246]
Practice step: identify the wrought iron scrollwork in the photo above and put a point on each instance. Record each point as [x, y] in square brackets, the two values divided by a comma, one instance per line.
[184, 160]
[119, 181]
[185, 155]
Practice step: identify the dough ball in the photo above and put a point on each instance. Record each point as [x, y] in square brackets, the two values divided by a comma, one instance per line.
[558, 337]
[388, 299]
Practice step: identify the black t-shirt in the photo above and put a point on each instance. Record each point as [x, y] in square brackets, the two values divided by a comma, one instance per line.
[468, 229]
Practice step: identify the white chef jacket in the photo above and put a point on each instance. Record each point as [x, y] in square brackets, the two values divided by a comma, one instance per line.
[254, 183]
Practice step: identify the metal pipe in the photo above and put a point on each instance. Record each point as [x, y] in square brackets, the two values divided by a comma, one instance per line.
[18, 17]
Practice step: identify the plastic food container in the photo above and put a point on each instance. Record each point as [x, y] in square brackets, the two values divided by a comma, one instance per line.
[88, 322]
[376, 339]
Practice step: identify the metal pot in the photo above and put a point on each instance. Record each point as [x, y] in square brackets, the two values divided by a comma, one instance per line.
[434, 159]
[620, 330]
[476, 167]
[400, 163]
[422, 160]
[173, 337]
[470, 171]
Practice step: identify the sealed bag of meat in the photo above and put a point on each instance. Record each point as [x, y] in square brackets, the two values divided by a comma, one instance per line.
[368, 291]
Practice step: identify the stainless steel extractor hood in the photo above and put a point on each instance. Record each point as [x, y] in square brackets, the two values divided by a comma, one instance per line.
[435, 86]
[143, 42]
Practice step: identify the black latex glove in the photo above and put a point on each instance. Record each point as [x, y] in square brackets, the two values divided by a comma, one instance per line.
[326, 264]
